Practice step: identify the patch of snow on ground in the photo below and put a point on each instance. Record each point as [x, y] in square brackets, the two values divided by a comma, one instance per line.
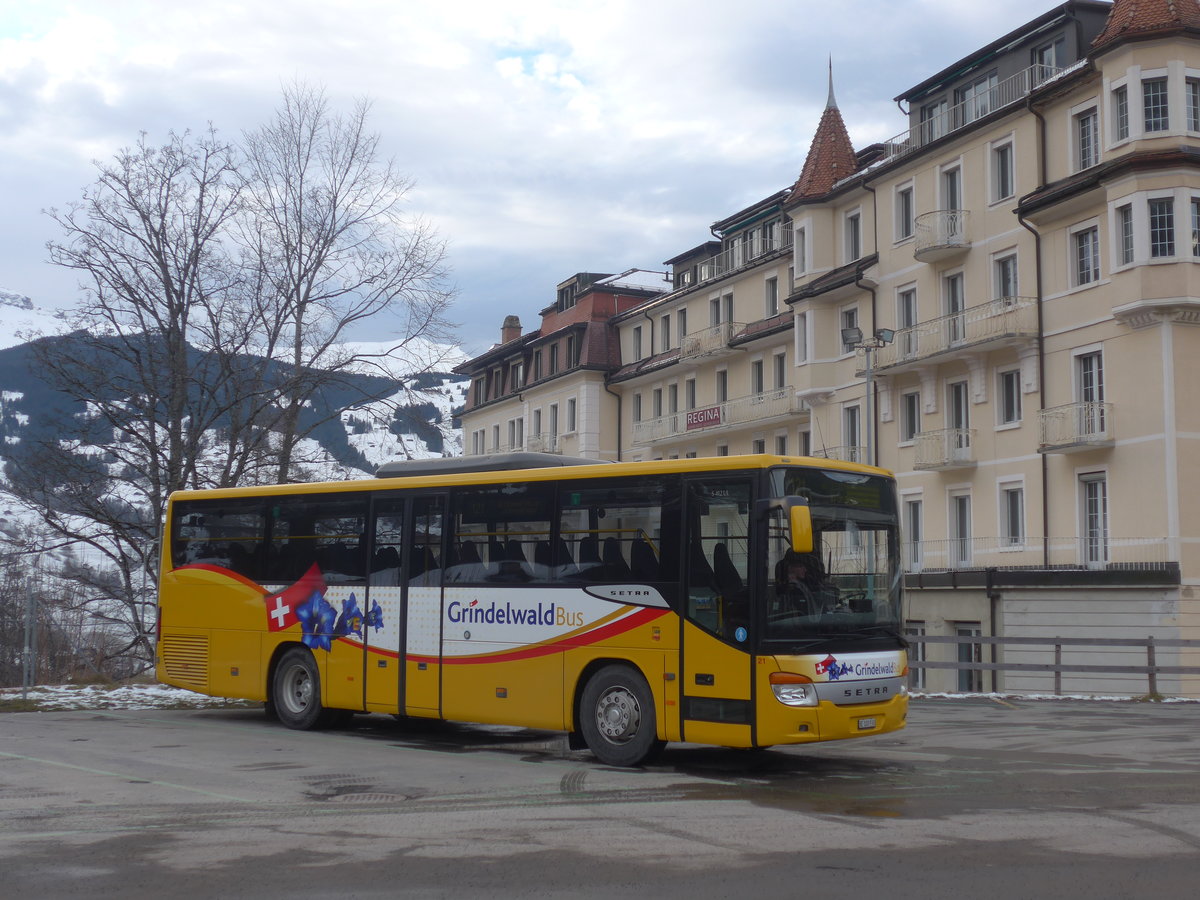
[129, 696]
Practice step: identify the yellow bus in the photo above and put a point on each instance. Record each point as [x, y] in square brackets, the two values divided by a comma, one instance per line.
[742, 601]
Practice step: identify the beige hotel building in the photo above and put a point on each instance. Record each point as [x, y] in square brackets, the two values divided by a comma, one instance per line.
[1001, 305]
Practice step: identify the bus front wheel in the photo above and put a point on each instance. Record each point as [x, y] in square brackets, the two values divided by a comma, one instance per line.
[617, 719]
[296, 690]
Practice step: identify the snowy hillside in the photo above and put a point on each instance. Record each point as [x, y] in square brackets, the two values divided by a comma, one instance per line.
[19, 319]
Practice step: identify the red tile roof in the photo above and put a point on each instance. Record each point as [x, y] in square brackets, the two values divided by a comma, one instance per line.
[830, 158]
[1134, 19]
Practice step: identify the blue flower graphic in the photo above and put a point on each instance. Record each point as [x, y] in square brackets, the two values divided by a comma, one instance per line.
[351, 619]
[375, 616]
[317, 619]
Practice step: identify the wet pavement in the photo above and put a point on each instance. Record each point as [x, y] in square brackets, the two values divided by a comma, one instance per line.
[978, 797]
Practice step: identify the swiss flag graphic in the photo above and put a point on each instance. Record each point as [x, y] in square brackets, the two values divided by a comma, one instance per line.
[281, 607]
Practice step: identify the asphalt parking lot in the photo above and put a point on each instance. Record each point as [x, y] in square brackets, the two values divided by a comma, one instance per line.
[980, 797]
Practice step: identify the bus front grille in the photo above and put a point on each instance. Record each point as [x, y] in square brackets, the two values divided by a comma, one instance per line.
[185, 658]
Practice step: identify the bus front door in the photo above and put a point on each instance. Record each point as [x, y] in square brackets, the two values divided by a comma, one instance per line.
[716, 706]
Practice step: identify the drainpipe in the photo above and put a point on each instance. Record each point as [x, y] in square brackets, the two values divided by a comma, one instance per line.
[1041, 330]
[618, 396]
[874, 404]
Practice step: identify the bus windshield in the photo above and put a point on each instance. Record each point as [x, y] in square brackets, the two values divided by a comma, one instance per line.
[848, 587]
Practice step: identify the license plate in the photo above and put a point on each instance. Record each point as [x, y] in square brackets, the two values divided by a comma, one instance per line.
[864, 724]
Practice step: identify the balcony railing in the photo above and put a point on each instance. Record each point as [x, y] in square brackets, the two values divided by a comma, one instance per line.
[743, 254]
[709, 341]
[1023, 552]
[739, 411]
[846, 453]
[543, 443]
[1005, 93]
[1076, 426]
[1006, 318]
[941, 234]
[946, 448]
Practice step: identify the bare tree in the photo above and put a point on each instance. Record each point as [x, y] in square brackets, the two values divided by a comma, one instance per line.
[219, 286]
[328, 234]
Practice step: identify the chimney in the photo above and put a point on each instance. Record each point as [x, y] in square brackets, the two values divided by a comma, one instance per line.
[510, 330]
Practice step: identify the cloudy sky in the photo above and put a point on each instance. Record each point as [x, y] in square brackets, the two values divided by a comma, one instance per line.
[545, 137]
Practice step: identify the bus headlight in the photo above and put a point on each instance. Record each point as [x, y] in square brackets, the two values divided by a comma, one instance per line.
[793, 690]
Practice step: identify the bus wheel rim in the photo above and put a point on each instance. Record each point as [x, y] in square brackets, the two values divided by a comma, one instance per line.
[618, 715]
[298, 690]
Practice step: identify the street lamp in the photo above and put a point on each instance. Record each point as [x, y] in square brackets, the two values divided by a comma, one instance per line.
[853, 337]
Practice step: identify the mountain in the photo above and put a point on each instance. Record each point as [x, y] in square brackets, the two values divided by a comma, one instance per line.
[413, 418]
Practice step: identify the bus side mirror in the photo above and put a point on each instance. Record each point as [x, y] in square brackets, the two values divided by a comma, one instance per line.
[800, 520]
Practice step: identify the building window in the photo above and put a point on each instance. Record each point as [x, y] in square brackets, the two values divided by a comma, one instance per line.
[1087, 147]
[495, 438]
[665, 333]
[1012, 515]
[1125, 233]
[779, 365]
[768, 236]
[637, 407]
[553, 359]
[1087, 255]
[969, 680]
[1009, 388]
[727, 308]
[537, 365]
[656, 398]
[910, 416]
[913, 522]
[804, 436]
[689, 394]
[637, 342]
[771, 296]
[955, 300]
[1002, 172]
[722, 385]
[905, 213]
[976, 99]
[681, 323]
[1093, 496]
[572, 351]
[849, 319]
[537, 421]
[1162, 227]
[757, 377]
[672, 399]
[1120, 102]
[758, 445]
[800, 250]
[801, 338]
[1154, 105]
[714, 311]
[1089, 377]
[1006, 277]
[553, 424]
[934, 120]
[722, 449]
[1193, 104]
[781, 445]
[1049, 57]
[1195, 206]
[906, 319]
[960, 529]
[853, 236]
[851, 434]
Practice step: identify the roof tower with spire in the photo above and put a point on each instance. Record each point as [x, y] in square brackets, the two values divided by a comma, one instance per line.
[831, 155]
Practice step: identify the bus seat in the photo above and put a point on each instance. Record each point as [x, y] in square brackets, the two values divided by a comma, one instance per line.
[729, 582]
[614, 563]
[643, 562]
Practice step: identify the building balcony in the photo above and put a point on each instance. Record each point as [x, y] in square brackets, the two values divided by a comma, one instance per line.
[543, 443]
[741, 255]
[740, 411]
[847, 453]
[1086, 425]
[946, 448]
[1011, 90]
[988, 326]
[941, 234]
[713, 341]
[1024, 552]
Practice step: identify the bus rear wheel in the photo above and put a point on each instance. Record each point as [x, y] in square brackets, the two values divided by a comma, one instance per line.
[296, 690]
[616, 717]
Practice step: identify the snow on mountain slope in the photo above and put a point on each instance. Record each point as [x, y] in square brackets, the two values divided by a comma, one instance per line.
[20, 319]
